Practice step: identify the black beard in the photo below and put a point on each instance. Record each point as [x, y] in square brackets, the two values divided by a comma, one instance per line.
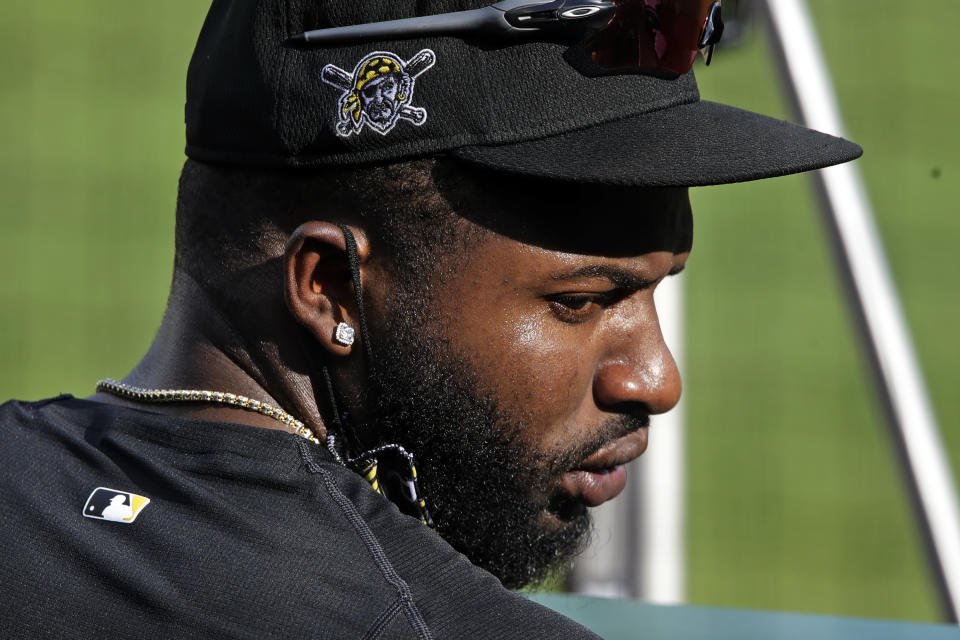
[491, 497]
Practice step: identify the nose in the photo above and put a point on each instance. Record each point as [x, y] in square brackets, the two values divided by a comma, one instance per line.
[639, 375]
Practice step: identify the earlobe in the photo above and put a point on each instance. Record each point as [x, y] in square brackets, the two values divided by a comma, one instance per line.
[318, 289]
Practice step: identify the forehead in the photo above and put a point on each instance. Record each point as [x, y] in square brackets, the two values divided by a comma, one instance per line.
[597, 220]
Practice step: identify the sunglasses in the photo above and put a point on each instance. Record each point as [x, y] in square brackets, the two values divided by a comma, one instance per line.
[616, 35]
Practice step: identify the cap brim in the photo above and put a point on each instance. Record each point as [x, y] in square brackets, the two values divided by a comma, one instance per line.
[696, 144]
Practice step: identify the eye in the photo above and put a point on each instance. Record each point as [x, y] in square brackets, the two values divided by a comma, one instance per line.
[574, 303]
[576, 308]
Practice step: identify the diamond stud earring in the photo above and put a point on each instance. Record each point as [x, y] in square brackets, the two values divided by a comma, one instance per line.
[345, 334]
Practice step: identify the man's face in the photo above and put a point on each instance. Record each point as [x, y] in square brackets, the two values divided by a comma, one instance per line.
[379, 97]
[524, 380]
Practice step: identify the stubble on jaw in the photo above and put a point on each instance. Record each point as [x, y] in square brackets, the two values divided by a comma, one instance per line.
[493, 497]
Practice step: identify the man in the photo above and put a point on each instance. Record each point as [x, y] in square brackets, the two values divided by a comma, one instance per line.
[388, 339]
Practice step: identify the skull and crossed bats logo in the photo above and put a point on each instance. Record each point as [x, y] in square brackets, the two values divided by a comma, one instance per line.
[378, 92]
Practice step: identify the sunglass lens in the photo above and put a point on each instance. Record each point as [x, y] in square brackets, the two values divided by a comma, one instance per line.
[656, 34]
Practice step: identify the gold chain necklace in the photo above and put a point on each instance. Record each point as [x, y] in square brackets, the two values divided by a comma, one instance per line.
[130, 392]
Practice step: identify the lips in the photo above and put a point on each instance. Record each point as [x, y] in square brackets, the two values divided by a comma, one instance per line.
[602, 476]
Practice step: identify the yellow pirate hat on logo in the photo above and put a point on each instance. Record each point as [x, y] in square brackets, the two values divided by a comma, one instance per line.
[392, 106]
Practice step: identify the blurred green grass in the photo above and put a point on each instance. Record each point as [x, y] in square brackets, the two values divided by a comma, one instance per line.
[91, 104]
[795, 502]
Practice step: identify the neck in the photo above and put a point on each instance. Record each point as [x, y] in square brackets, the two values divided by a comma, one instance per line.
[198, 347]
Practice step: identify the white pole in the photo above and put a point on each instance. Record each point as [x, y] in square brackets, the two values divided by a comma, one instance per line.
[639, 545]
[661, 560]
[860, 254]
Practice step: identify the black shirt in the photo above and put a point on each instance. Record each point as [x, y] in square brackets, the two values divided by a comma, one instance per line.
[248, 533]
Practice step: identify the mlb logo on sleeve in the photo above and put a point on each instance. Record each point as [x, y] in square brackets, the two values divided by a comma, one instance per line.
[114, 505]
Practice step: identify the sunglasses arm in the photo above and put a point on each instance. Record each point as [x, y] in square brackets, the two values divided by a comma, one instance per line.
[509, 18]
[486, 20]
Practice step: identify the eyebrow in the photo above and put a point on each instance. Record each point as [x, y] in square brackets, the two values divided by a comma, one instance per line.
[619, 277]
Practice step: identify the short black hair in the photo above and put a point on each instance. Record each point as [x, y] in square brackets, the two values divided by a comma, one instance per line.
[230, 218]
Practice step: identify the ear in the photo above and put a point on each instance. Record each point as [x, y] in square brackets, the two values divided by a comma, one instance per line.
[318, 291]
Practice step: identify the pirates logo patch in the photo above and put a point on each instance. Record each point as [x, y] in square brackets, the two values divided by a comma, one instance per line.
[379, 91]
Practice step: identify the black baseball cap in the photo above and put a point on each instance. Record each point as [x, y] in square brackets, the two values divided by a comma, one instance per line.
[520, 107]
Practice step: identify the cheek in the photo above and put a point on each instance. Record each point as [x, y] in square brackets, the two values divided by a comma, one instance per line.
[539, 369]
